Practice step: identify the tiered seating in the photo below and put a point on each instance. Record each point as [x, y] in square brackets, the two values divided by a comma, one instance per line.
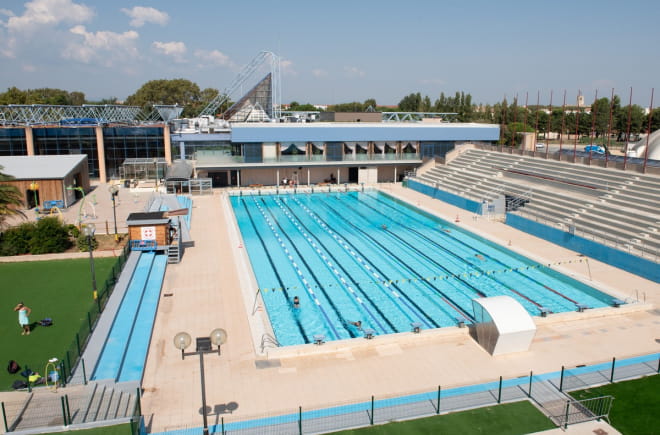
[613, 205]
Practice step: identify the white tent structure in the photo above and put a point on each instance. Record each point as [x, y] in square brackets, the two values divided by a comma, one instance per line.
[503, 325]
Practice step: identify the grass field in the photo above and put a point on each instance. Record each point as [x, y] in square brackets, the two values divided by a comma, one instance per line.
[508, 419]
[58, 289]
[636, 407]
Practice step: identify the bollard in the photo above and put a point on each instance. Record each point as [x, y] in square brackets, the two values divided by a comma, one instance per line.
[612, 372]
[529, 392]
[499, 392]
[437, 411]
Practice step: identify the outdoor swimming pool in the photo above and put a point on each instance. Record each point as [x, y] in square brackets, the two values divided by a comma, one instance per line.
[365, 256]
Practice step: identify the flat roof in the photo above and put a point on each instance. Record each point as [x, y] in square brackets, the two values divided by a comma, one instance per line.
[362, 131]
[40, 167]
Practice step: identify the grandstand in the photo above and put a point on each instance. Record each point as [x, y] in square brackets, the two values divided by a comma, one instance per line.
[615, 208]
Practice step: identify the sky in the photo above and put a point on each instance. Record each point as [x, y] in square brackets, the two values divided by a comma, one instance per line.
[339, 51]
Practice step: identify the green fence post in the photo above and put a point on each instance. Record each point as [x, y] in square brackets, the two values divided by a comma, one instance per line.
[561, 380]
[63, 410]
[437, 411]
[139, 401]
[499, 392]
[4, 417]
[612, 372]
[68, 410]
[89, 321]
[371, 417]
[529, 392]
[78, 342]
[300, 420]
[568, 405]
[222, 425]
[82, 361]
[63, 372]
[659, 365]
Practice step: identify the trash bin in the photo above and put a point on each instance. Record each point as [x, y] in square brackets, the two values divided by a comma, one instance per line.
[127, 183]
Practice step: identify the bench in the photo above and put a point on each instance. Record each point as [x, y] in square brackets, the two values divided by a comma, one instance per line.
[460, 321]
[416, 326]
[582, 307]
[545, 311]
[369, 333]
[319, 339]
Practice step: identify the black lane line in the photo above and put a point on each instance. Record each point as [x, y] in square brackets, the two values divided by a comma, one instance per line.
[310, 270]
[444, 297]
[406, 299]
[383, 316]
[506, 266]
[272, 265]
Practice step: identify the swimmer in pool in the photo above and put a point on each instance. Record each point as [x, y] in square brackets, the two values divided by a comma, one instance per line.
[296, 302]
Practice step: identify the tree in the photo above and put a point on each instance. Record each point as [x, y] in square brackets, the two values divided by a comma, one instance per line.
[655, 120]
[10, 199]
[169, 92]
[411, 103]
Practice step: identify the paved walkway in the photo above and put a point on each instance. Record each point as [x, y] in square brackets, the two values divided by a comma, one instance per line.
[206, 294]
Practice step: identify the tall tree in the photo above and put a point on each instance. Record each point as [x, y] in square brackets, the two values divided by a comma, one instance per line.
[176, 91]
[10, 199]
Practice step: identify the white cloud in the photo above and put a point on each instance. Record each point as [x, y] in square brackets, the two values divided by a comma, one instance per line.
[39, 13]
[40, 17]
[174, 49]
[286, 66]
[106, 47]
[29, 68]
[319, 73]
[352, 71]
[141, 15]
[214, 57]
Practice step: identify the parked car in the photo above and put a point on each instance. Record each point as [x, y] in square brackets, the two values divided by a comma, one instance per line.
[540, 146]
[596, 149]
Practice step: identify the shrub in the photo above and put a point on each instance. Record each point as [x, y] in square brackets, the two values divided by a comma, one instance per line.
[83, 244]
[16, 240]
[73, 231]
[50, 235]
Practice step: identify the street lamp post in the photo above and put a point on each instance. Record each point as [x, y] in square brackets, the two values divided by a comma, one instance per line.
[203, 345]
[88, 231]
[156, 171]
[114, 191]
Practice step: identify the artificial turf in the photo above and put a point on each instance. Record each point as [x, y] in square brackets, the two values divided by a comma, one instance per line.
[508, 419]
[636, 406]
[61, 290]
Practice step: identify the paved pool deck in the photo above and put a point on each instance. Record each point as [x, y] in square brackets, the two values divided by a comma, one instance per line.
[207, 290]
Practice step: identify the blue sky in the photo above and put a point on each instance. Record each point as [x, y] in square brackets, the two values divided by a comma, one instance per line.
[338, 51]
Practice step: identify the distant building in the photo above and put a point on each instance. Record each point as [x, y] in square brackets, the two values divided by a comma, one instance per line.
[351, 117]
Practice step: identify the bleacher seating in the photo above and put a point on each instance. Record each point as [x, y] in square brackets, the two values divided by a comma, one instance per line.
[619, 208]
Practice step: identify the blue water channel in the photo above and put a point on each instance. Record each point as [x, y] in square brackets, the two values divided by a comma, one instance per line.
[125, 350]
[365, 256]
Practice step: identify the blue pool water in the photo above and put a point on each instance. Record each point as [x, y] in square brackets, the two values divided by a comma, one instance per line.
[369, 257]
[125, 350]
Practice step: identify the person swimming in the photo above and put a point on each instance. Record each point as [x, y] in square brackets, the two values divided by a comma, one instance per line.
[357, 324]
[296, 302]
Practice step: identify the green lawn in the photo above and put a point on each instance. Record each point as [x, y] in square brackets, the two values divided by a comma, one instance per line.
[636, 407]
[508, 419]
[120, 429]
[58, 289]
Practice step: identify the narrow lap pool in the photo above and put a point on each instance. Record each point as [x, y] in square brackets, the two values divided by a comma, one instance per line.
[365, 256]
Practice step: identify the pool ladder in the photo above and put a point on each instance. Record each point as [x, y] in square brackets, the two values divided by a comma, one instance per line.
[268, 340]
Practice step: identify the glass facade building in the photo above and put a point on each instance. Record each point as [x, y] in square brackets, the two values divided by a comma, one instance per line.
[12, 142]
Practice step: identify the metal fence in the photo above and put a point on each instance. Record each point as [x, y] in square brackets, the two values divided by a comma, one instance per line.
[547, 391]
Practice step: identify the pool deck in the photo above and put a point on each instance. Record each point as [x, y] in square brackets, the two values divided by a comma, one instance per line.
[206, 294]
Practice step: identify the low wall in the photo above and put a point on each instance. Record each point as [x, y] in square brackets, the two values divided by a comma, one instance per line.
[449, 198]
[631, 263]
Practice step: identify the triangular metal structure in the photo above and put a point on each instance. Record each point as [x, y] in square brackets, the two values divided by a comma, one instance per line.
[255, 106]
[168, 113]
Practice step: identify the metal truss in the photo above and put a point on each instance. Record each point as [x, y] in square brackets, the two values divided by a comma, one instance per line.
[160, 113]
[418, 116]
[41, 114]
[247, 72]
